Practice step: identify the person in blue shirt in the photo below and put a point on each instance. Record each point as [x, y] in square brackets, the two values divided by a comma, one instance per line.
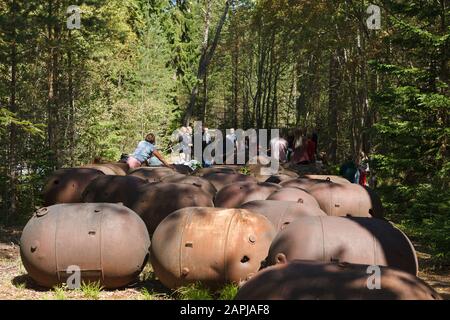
[144, 151]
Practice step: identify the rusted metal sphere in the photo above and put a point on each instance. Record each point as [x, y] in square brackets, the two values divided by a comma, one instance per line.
[352, 240]
[210, 245]
[294, 194]
[335, 179]
[114, 169]
[113, 189]
[204, 184]
[182, 169]
[338, 199]
[220, 179]
[278, 178]
[307, 280]
[282, 213]
[301, 183]
[152, 175]
[156, 201]
[107, 242]
[236, 194]
[67, 185]
[204, 171]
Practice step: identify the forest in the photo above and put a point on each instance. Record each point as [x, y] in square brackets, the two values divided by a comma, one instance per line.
[72, 95]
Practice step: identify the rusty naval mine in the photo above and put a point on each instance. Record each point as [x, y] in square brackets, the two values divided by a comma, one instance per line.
[67, 185]
[353, 240]
[114, 169]
[204, 184]
[353, 200]
[108, 242]
[282, 213]
[294, 195]
[236, 194]
[306, 280]
[156, 201]
[113, 189]
[211, 245]
[221, 179]
[151, 174]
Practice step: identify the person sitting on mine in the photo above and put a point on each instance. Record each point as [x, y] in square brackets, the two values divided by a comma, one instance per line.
[145, 150]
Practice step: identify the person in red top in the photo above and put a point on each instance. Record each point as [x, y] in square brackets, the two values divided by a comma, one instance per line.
[311, 149]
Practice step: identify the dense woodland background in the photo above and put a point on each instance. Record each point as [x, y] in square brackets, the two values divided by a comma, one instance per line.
[135, 66]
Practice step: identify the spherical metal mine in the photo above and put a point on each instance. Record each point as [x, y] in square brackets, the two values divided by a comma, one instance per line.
[152, 175]
[303, 280]
[352, 240]
[156, 201]
[294, 195]
[282, 213]
[278, 178]
[108, 243]
[301, 183]
[220, 179]
[113, 189]
[236, 194]
[338, 199]
[210, 245]
[114, 169]
[204, 171]
[67, 185]
[331, 178]
[204, 184]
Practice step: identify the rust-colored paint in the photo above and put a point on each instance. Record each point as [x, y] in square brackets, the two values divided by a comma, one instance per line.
[220, 179]
[108, 242]
[353, 240]
[295, 195]
[113, 189]
[236, 194]
[152, 174]
[303, 280]
[67, 185]
[156, 201]
[204, 171]
[204, 184]
[211, 245]
[338, 199]
[282, 213]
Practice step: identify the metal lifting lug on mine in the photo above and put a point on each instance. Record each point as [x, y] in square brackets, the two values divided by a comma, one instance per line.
[108, 243]
[67, 185]
[211, 245]
[303, 280]
[236, 194]
[352, 240]
[156, 201]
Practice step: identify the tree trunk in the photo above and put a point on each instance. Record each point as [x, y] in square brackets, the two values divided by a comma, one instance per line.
[205, 60]
[333, 95]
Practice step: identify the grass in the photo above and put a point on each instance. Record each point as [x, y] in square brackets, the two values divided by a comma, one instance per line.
[59, 293]
[194, 291]
[228, 292]
[91, 290]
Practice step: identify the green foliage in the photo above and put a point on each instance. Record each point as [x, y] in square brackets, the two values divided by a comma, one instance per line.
[60, 293]
[228, 292]
[91, 290]
[194, 292]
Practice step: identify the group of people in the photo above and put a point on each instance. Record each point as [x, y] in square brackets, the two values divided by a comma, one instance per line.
[358, 171]
[298, 147]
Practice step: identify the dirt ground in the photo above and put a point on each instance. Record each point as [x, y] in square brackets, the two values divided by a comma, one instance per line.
[15, 284]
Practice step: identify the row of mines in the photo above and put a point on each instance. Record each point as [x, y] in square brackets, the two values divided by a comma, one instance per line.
[281, 237]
